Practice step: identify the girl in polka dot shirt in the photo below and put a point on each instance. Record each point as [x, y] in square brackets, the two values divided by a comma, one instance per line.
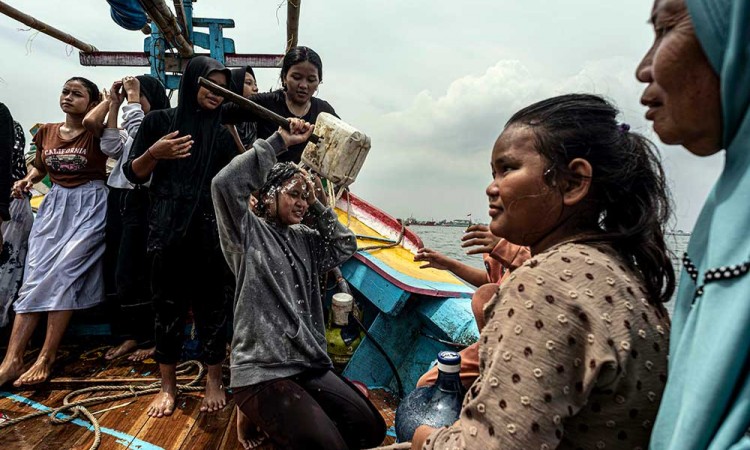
[574, 351]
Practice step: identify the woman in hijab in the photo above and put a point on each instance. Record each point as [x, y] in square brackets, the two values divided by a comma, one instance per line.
[301, 74]
[125, 263]
[180, 150]
[698, 95]
[244, 84]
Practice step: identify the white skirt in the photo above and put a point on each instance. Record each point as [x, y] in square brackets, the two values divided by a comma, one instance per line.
[13, 256]
[64, 263]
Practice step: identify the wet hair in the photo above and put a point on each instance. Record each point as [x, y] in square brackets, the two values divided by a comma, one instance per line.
[278, 175]
[628, 193]
[90, 87]
[298, 55]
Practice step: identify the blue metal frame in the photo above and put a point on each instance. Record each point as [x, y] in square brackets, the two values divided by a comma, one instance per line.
[213, 41]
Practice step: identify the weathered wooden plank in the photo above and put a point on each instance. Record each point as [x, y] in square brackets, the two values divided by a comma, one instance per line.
[28, 434]
[174, 63]
[230, 441]
[128, 421]
[209, 429]
[171, 432]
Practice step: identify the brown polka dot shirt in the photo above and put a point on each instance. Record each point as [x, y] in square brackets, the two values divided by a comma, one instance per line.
[572, 356]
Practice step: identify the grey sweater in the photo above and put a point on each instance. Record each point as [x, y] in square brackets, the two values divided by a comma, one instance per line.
[279, 328]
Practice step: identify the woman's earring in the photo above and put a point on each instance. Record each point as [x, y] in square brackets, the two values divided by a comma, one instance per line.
[546, 174]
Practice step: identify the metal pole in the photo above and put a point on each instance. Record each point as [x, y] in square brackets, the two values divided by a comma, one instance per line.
[44, 28]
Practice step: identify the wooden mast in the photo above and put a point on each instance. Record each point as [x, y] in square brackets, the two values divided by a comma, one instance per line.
[44, 28]
[292, 23]
[167, 23]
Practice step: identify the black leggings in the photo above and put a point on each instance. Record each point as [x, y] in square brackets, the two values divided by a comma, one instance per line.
[314, 410]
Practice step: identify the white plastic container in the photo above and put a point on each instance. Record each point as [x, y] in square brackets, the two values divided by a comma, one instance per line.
[342, 304]
[340, 153]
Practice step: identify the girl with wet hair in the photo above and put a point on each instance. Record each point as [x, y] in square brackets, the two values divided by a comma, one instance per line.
[63, 269]
[179, 150]
[281, 374]
[301, 74]
[573, 353]
[126, 264]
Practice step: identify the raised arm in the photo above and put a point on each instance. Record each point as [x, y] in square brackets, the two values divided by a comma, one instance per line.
[232, 187]
[113, 140]
[95, 119]
[437, 260]
[336, 242]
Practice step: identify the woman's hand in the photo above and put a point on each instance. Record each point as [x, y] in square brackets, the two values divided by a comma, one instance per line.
[132, 88]
[435, 260]
[171, 147]
[479, 237]
[21, 187]
[299, 132]
[116, 96]
[314, 187]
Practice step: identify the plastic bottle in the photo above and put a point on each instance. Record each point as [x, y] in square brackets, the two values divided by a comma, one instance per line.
[438, 405]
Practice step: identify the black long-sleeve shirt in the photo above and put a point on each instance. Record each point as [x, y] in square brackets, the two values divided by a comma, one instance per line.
[181, 188]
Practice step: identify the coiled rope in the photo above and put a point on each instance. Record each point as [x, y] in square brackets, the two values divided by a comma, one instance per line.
[71, 410]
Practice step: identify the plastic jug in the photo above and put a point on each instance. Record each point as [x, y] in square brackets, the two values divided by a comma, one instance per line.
[341, 151]
[438, 405]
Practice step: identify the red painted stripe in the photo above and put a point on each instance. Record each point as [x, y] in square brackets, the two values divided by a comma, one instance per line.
[385, 218]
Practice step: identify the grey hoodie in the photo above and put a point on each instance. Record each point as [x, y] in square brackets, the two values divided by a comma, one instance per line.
[279, 328]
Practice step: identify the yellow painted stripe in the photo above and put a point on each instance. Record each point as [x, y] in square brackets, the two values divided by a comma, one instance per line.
[398, 258]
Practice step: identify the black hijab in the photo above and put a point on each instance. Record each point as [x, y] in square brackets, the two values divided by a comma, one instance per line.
[154, 91]
[238, 78]
[204, 126]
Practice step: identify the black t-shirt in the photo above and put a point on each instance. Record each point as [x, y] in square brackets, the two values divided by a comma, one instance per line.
[276, 102]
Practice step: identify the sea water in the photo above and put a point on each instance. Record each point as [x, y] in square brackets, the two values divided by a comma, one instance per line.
[447, 240]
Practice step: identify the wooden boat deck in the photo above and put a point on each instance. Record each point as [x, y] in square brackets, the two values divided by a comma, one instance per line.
[126, 426]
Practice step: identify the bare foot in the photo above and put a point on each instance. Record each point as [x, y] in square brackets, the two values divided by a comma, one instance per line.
[144, 353]
[215, 398]
[10, 371]
[249, 435]
[126, 347]
[163, 404]
[37, 373]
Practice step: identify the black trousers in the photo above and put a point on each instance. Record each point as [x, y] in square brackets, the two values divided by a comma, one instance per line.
[127, 266]
[317, 409]
[190, 273]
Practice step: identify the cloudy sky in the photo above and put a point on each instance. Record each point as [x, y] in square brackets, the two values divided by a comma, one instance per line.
[431, 82]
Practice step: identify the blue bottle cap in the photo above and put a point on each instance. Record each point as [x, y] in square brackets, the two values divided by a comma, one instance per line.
[449, 362]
